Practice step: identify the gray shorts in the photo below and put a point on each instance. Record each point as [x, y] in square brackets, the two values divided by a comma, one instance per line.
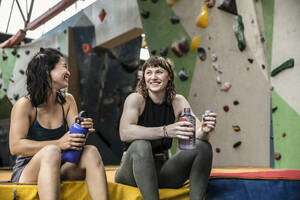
[18, 168]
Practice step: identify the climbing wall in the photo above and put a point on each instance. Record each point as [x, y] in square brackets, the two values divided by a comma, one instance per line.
[242, 136]
[285, 95]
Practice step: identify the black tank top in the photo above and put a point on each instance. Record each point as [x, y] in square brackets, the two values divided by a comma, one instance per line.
[155, 115]
[39, 133]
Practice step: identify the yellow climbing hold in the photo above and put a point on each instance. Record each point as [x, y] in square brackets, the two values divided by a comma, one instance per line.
[202, 19]
[170, 2]
[195, 43]
[144, 43]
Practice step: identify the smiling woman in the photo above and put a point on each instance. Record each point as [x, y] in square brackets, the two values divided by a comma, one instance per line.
[148, 125]
[38, 132]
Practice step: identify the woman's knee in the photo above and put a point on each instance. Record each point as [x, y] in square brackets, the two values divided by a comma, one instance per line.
[141, 149]
[51, 154]
[204, 147]
[91, 155]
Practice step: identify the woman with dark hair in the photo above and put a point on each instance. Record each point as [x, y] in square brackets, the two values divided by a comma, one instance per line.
[147, 126]
[38, 132]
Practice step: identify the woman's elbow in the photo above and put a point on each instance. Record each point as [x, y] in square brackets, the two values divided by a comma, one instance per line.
[124, 136]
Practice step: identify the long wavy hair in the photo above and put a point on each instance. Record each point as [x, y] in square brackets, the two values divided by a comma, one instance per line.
[157, 61]
[38, 76]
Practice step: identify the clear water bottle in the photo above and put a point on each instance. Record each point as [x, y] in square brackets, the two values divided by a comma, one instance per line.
[189, 143]
[73, 156]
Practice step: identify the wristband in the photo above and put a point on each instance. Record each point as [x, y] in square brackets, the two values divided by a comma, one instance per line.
[165, 131]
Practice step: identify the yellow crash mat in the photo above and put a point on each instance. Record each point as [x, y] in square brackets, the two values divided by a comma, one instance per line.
[71, 190]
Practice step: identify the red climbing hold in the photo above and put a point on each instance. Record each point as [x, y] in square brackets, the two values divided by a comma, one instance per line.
[102, 15]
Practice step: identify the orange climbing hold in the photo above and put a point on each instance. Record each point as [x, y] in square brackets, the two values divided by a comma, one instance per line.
[195, 43]
[202, 19]
[86, 48]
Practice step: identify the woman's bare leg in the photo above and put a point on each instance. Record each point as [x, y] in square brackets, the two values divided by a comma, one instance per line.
[92, 169]
[44, 169]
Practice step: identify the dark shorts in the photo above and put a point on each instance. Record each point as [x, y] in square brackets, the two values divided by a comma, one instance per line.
[18, 168]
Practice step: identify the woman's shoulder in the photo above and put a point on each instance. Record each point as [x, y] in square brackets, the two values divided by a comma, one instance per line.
[23, 104]
[179, 98]
[135, 98]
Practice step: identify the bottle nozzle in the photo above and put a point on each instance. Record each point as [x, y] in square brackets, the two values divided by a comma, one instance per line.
[82, 114]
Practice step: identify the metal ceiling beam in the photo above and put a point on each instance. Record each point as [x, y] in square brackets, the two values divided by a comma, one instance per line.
[52, 12]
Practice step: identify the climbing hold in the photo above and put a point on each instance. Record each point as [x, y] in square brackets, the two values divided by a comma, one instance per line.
[287, 64]
[22, 71]
[0, 85]
[215, 66]
[175, 49]
[14, 52]
[238, 29]
[226, 86]
[195, 43]
[210, 3]
[214, 57]
[184, 45]
[154, 1]
[4, 55]
[274, 109]
[263, 66]
[226, 108]
[271, 88]
[174, 19]
[218, 79]
[283, 134]
[237, 144]
[247, 68]
[228, 6]
[86, 48]
[236, 128]
[201, 53]
[262, 39]
[164, 51]
[4, 89]
[144, 42]
[277, 156]
[236, 102]
[65, 31]
[27, 52]
[153, 52]
[11, 80]
[18, 55]
[145, 14]
[16, 97]
[170, 2]
[202, 19]
[250, 60]
[182, 75]
[218, 150]
[102, 15]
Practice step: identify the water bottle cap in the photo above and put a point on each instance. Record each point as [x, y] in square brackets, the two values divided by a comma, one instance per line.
[82, 114]
[207, 112]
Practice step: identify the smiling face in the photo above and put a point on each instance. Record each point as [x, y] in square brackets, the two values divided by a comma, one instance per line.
[60, 75]
[156, 79]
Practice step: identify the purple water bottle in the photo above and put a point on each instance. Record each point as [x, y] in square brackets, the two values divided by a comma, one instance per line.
[189, 143]
[73, 156]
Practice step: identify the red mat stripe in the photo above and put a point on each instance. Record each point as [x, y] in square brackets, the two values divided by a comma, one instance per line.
[282, 174]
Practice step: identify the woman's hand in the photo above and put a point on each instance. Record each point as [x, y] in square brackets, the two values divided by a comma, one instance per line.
[74, 141]
[89, 124]
[180, 130]
[209, 122]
